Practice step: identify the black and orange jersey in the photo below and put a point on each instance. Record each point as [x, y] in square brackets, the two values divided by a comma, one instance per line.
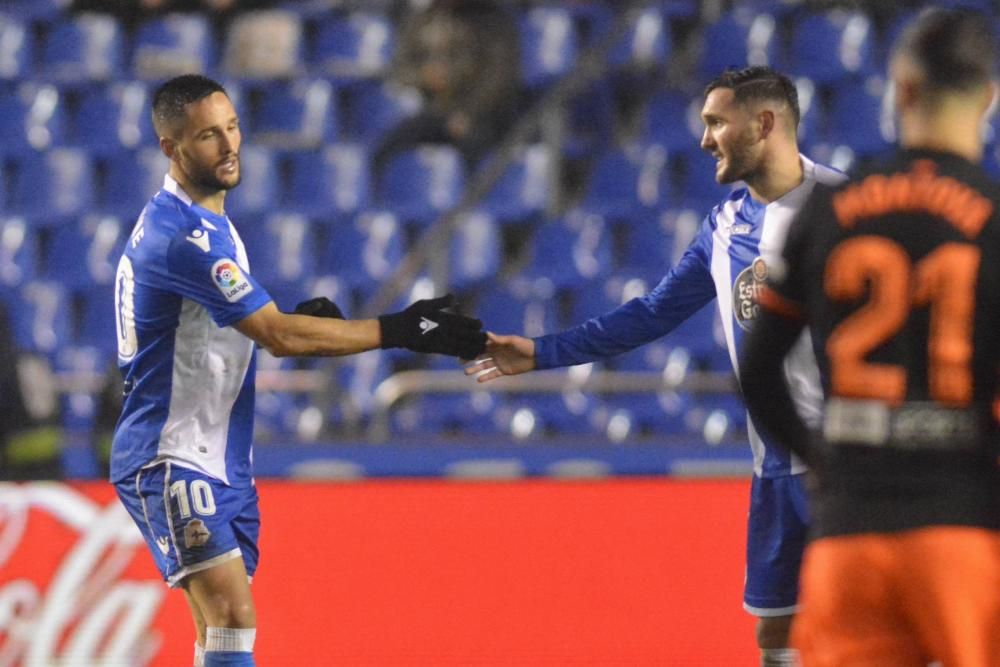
[897, 276]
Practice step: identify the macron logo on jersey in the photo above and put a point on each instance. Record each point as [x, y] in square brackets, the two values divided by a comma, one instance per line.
[200, 238]
[230, 280]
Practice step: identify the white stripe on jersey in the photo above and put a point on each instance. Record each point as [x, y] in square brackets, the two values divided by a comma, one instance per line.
[722, 274]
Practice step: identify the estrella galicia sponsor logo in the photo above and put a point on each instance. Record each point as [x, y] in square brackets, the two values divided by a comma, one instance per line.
[230, 280]
[746, 293]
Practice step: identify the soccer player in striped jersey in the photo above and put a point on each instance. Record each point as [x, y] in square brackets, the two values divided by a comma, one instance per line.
[897, 276]
[189, 314]
[750, 117]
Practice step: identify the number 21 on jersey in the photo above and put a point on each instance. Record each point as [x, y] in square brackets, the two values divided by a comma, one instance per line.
[944, 280]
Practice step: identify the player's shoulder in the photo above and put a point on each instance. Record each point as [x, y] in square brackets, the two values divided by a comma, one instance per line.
[169, 216]
[728, 206]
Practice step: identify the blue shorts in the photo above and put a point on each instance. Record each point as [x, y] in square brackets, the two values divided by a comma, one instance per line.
[776, 538]
[191, 521]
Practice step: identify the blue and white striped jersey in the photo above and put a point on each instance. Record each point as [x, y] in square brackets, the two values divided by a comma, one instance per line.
[728, 260]
[183, 279]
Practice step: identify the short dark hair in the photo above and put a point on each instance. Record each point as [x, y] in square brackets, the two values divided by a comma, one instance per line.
[758, 82]
[955, 49]
[172, 96]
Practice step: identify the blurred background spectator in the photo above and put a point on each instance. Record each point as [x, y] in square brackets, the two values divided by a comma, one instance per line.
[462, 55]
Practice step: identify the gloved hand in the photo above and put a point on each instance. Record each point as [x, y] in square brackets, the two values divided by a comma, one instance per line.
[319, 307]
[425, 327]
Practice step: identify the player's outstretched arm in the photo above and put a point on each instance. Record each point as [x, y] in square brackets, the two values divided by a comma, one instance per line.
[504, 355]
[423, 327]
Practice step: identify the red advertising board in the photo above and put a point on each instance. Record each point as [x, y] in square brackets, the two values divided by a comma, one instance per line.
[623, 572]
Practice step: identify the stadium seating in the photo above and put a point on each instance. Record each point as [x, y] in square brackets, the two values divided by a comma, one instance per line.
[264, 45]
[83, 49]
[859, 117]
[16, 48]
[85, 254]
[421, 184]
[173, 44]
[738, 38]
[114, 118]
[284, 260]
[54, 186]
[38, 315]
[827, 47]
[375, 108]
[626, 184]
[298, 115]
[131, 179]
[548, 45]
[32, 118]
[260, 184]
[672, 120]
[364, 252]
[331, 183]
[354, 47]
[19, 253]
[571, 252]
[523, 190]
[520, 306]
[474, 256]
[648, 42]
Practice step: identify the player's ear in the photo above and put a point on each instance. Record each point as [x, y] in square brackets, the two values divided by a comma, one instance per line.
[169, 147]
[765, 119]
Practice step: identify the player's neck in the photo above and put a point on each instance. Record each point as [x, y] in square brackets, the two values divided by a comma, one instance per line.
[779, 175]
[213, 200]
[956, 133]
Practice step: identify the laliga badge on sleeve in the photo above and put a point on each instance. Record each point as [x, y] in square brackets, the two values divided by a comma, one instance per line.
[230, 280]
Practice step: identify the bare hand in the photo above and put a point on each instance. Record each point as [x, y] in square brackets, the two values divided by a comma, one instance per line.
[504, 355]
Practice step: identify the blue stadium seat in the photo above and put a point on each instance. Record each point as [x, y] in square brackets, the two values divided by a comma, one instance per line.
[282, 256]
[859, 117]
[548, 45]
[113, 118]
[522, 192]
[518, 307]
[672, 120]
[648, 42]
[174, 44]
[693, 179]
[19, 253]
[570, 252]
[590, 121]
[259, 190]
[132, 178]
[85, 253]
[17, 43]
[301, 114]
[475, 251]
[331, 183]
[97, 319]
[375, 108]
[32, 119]
[54, 186]
[357, 377]
[39, 317]
[420, 185]
[650, 248]
[738, 38]
[83, 49]
[566, 413]
[353, 47]
[661, 414]
[593, 300]
[626, 184]
[365, 252]
[827, 47]
[35, 10]
[447, 414]
[812, 125]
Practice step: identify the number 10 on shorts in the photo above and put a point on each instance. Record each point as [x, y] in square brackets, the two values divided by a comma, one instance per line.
[201, 498]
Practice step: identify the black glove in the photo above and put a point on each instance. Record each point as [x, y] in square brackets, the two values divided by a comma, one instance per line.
[319, 307]
[425, 327]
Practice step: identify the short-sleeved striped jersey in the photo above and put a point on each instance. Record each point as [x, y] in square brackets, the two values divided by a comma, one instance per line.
[183, 279]
[728, 260]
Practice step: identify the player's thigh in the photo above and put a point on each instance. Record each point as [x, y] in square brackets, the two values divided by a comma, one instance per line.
[950, 581]
[776, 536]
[190, 521]
[849, 611]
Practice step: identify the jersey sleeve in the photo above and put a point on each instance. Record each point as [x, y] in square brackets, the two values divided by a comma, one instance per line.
[203, 269]
[682, 292]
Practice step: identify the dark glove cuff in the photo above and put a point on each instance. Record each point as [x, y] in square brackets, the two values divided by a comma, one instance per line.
[393, 330]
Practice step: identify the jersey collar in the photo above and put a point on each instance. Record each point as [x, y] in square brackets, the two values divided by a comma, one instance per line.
[173, 187]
